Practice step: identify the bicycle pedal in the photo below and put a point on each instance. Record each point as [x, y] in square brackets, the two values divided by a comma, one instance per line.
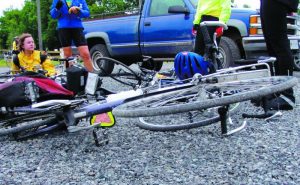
[100, 137]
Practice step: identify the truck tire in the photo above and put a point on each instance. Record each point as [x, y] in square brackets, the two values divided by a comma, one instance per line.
[97, 51]
[296, 63]
[229, 52]
[151, 65]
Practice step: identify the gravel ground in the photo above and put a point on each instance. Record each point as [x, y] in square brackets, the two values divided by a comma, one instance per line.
[263, 153]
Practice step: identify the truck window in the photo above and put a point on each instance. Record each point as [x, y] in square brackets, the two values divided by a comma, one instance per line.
[160, 7]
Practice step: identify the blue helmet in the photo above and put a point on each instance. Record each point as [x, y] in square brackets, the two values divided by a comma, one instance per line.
[186, 64]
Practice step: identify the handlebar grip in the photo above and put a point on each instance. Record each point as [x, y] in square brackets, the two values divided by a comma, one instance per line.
[214, 23]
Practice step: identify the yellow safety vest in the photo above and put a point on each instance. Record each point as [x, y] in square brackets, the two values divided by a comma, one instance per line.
[32, 61]
[217, 8]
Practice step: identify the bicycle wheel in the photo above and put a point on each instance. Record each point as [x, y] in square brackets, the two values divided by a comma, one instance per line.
[185, 120]
[122, 74]
[204, 96]
[13, 126]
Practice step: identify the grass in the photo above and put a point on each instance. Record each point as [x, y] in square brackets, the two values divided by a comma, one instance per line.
[3, 63]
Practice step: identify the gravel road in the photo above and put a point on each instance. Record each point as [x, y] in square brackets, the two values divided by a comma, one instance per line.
[263, 153]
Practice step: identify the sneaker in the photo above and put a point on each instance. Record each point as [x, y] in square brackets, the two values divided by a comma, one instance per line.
[280, 103]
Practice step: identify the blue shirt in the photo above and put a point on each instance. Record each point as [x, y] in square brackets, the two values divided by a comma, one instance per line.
[67, 20]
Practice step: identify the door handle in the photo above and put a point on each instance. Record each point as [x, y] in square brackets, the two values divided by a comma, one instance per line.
[147, 24]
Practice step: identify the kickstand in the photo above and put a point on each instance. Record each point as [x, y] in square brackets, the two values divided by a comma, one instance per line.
[267, 115]
[100, 136]
[223, 112]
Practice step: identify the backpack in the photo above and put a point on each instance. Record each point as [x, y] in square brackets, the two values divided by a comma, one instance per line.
[16, 60]
[16, 93]
[47, 88]
[24, 90]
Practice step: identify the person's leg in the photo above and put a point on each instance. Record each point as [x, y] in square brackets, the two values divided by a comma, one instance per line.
[278, 45]
[67, 51]
[85, 55]
[199, 42]
[276, 35]
[81, 44]
[65, 40]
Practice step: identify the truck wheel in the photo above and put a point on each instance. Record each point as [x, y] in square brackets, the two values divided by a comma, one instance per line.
[151, 65]
[297, 63]
[229, 52]
[97, 51]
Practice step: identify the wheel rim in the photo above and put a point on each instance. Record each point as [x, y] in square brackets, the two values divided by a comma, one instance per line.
[95, 57]
[297, 62]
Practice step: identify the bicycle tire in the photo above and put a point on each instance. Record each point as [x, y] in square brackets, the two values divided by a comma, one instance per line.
[203, 120]
[26, 125]
[121, 73]
[242, 90]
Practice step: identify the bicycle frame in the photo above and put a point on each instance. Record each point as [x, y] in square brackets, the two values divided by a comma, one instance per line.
[111, 101]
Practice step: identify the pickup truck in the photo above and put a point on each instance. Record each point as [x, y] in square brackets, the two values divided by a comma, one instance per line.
[160, 29]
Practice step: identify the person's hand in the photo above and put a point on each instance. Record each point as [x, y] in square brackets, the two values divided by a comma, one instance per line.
[59, 4]
[219, 31]
[194, 29]
[74, 10]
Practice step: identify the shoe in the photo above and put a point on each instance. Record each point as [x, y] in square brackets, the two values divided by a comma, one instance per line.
[257, 102]
[280, 103]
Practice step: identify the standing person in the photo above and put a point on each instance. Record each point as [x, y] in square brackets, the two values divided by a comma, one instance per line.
[274, 24]
[29, 59]
[210, 10]
[70, 28]
[15, 49]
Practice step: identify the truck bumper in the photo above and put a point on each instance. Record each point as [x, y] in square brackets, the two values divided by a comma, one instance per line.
[256, 46]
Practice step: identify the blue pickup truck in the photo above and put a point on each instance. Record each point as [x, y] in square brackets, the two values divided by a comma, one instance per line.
[160, 29]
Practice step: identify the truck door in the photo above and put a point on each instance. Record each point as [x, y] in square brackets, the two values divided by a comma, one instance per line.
[164, 34]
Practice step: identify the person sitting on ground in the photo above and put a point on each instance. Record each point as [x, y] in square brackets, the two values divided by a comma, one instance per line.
[30, 59]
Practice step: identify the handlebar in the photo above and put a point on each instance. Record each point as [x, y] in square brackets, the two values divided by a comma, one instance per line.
[214, 23]
[64, 59]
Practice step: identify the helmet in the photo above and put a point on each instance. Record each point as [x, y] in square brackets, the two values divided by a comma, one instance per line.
[186, 64]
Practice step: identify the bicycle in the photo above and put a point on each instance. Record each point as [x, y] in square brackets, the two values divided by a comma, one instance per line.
[202, 93]
[190, 115]
[17, 119]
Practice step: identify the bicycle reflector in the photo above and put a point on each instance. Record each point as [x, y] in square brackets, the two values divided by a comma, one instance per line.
[104, 120]
[187, 64]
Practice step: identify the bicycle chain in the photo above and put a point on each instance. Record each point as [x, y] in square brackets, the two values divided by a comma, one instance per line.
[54, 109]
[21, 118]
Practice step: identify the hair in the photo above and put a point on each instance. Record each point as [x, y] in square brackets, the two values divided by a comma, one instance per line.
[22, 39]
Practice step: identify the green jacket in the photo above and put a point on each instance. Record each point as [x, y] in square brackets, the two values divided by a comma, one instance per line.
[216, 8]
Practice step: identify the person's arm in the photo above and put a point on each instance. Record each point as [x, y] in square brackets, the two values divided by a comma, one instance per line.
[226, 11]
[55, 10]
[84, 11]
[198, 14]
[49, 67]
